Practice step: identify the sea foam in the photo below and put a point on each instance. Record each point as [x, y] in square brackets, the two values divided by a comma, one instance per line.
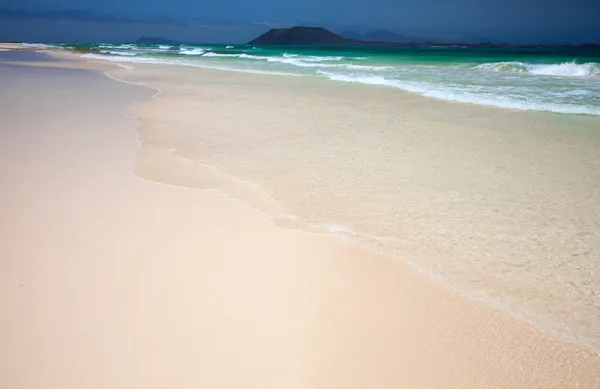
[193, 51]
[565, 69]
[449, 93]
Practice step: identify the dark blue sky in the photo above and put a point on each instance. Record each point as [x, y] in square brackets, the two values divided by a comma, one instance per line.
[520, 20]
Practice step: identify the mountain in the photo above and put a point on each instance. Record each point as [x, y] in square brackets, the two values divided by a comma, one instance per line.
[588, 46]
[301, 36]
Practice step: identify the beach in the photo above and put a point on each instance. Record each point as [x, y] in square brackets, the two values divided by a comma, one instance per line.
[169, 227]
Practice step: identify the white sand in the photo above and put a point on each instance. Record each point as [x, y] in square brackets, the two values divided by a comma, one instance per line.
[109, 281]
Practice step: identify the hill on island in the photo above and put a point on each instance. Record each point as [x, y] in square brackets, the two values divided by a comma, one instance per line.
[301, 36]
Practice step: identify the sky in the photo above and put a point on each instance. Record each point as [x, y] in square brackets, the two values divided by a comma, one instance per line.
[551, 21]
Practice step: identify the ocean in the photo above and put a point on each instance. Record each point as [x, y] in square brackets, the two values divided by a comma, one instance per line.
[555, 80]
[502, 205]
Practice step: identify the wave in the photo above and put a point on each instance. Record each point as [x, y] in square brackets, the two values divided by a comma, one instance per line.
[565, 69]
[451, 94]
[300, 61]
[131, 50]
[211, 54]
[568, 69]
[296, 60]
[238, 55]
[122, 53]
[38, 45]
[119, 58]
[192, 51]
[313, 58]
[179, 62]
[123, 46]
[303, 62]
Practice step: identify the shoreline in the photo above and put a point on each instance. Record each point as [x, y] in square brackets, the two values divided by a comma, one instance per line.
[259, 199]
[256, 199]
[463, 330]
[272, 210]
[246, 192]
[428, 85]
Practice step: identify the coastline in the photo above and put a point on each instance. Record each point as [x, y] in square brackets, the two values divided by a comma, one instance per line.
[179, 149]
[341, 316]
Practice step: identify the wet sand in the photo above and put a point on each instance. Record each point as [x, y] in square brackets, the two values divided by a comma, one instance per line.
[110, 280]
[498, 204]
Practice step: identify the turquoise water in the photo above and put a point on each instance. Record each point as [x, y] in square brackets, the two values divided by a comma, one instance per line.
[563, 81]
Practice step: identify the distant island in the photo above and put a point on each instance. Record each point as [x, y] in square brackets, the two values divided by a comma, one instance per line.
[302, 36]
[318, 36]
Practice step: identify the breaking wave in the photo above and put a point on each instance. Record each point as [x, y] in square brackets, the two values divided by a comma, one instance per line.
[194, 51]
[463, 95]
[565, 69]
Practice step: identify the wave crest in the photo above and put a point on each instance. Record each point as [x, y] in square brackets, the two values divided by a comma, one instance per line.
[565, 69]
[191, 51]
[447, 93]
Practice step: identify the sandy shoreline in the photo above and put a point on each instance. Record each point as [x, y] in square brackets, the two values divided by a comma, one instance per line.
[479, 184]
[137, 284]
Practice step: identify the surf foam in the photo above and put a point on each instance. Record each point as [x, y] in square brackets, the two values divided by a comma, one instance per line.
[565, 69]
[451, 94]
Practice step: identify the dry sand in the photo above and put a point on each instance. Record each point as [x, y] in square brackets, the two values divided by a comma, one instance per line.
[110, 281]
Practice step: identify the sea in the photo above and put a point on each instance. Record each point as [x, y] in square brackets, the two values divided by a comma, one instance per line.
[477, 166]
[556, 80]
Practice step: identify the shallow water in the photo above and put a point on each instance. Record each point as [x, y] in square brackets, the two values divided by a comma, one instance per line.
[502, 205]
